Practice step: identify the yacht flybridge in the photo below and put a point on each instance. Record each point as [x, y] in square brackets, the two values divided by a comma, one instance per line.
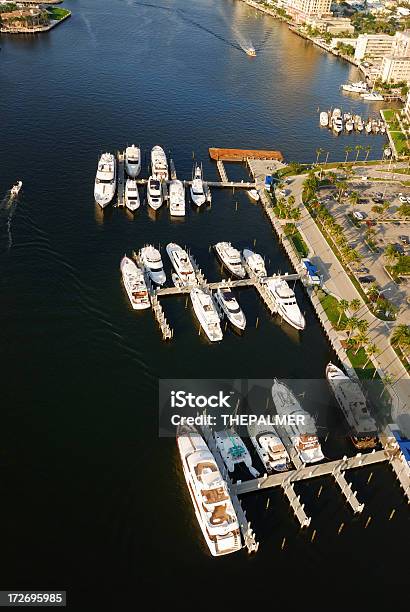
[285, 300]
[270, 448]
[132, 198]
[206, 313]
[197, 187]
[351, 400]
[133, 161]
[300, 427]
[134, 284]
[151, 259]
[233, 451]
[105, 180]
[230, 258]
[176, 198]
[154, 193]
[181, 264]
[159, 164]
[230, 308]
[255, 262]
[209, 494]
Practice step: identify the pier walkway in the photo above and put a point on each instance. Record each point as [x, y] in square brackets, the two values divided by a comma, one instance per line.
[120, 180]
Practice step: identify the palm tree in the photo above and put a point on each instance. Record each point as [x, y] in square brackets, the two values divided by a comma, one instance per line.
[351, 325]
[401, 337]
[348, 150]
[362, 325]
[341, 307]
[358, 148]
[341, 186]
[355, 305]
[367, 149]
[296, 214]
[361, 340]
[391, 253]
[319, 152]
[372, 350]
[387, 381]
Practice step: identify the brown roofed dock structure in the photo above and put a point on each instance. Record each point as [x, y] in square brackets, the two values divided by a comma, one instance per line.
[237, 155]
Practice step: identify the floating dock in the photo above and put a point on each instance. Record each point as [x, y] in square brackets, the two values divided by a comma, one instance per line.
[239, 155]
[120, 180]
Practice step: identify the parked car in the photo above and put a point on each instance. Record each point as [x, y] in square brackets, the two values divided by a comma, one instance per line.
[365, 280]
[363, 270]
[403, 199]
[404, 239]
[359, 215]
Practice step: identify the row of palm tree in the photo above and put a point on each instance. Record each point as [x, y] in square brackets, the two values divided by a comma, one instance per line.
[348, 149]
[401, 338]
[344, 305]
[336, 232]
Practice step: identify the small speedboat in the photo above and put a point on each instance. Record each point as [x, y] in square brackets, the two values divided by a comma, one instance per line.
[253, 194]
[324, 119]
[132, 198]
[250, 51]
[255, 262]
[16, 188]
[230, 308]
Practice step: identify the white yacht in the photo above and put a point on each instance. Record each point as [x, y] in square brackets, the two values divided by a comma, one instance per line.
[337, 124]
[159, 164]
[209, 493]
[133, 161]
[231, 259]
[197, 187]
[359, 87]
[181, 264]
[134, 284]
[253, 194]
[230, 308]
[233, 450]
[132, 197]
[16, 188]
[349, 125]
[105, 180]
[151, 258]
[336, 113]
[255, 262]
[373, 96]
[206, 313]
[352, 402]
[176, 198]
[302, 434]
[324, 119]
[154, 193]
[285, 300]
[368, 127]
[270, 448]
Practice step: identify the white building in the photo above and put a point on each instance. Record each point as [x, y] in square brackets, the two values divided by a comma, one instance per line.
[406, 109]
[301, 9]
[395, 69]
[401, 44]
[373, 46]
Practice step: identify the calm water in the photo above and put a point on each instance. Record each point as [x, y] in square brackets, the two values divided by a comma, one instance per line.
[88, 489]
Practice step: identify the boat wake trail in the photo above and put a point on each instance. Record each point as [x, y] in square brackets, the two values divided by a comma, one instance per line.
[89, 30]
[7, 207]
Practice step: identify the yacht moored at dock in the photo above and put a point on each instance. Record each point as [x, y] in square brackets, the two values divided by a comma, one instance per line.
[270, 448]
[206, 313]
[132, 197]
[253, 194]
[209, 494]
[133, 161]
[105, 180]
[352, 402]
[176, 198]
[233, 450]
[285, 300]
[154, 193]
[230, 308]
[324, 119]
[152, 260]
[134, 284]
[159, 164]
[302, 432]
[197, 191]
[181, 264]
[360, 87]
[230, 258]
[255, 262]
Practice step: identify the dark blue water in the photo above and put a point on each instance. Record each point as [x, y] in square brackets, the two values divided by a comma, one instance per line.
[89, 492]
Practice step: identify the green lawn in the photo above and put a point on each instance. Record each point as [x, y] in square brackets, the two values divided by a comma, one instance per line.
[57, 13]
[358, 361]
[329, 304]
[300, 245]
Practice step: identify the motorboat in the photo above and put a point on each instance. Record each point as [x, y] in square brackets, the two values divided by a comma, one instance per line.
[269, 447]
[324, 119]
[176, 198]
[253, 194]
[336, 113]
[285, 301]
[154, 193]
[373, 96]
[349, 125]
[255, 262]
[159, 164]
[352, 402]
[387, 151]
[360, 87]
[229, 306]
[152, 261]
[134, 284]
[233, 450]
[197, 191]
[230, 258]
[182, 264]
[132, 198]
[133, 161]
[209, 494]
[250, 51]
[337, 124]
[16, 188]
[368, 127]
[206, 313]
[299, 425]
[105, 180]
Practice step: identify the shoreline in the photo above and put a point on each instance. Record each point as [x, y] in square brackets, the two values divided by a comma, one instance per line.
[50, 26]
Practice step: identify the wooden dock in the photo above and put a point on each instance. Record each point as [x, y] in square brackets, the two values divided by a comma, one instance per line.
[120, 180]
[222, 171]
[239, 155]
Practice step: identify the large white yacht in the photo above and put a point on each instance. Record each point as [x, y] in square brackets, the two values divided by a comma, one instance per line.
[151, 258]
[197, 187]
[230, 308]
[159, 164]
[255, 262]
[206, 313]
[176, 198]
[285, 300]
[324, 119]
[154, 193]
[337, 124]
[269, 446]
[105, 180]
[181, 264]
[231, 259]
[132, 197]
[352, 402]
[210, 497]
[134, 284]
[302, 432]
[233, 450]
[359, 87]
[133, 161]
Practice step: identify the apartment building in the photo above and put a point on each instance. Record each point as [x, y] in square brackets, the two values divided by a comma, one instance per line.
[395, 69]
[373, 46]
